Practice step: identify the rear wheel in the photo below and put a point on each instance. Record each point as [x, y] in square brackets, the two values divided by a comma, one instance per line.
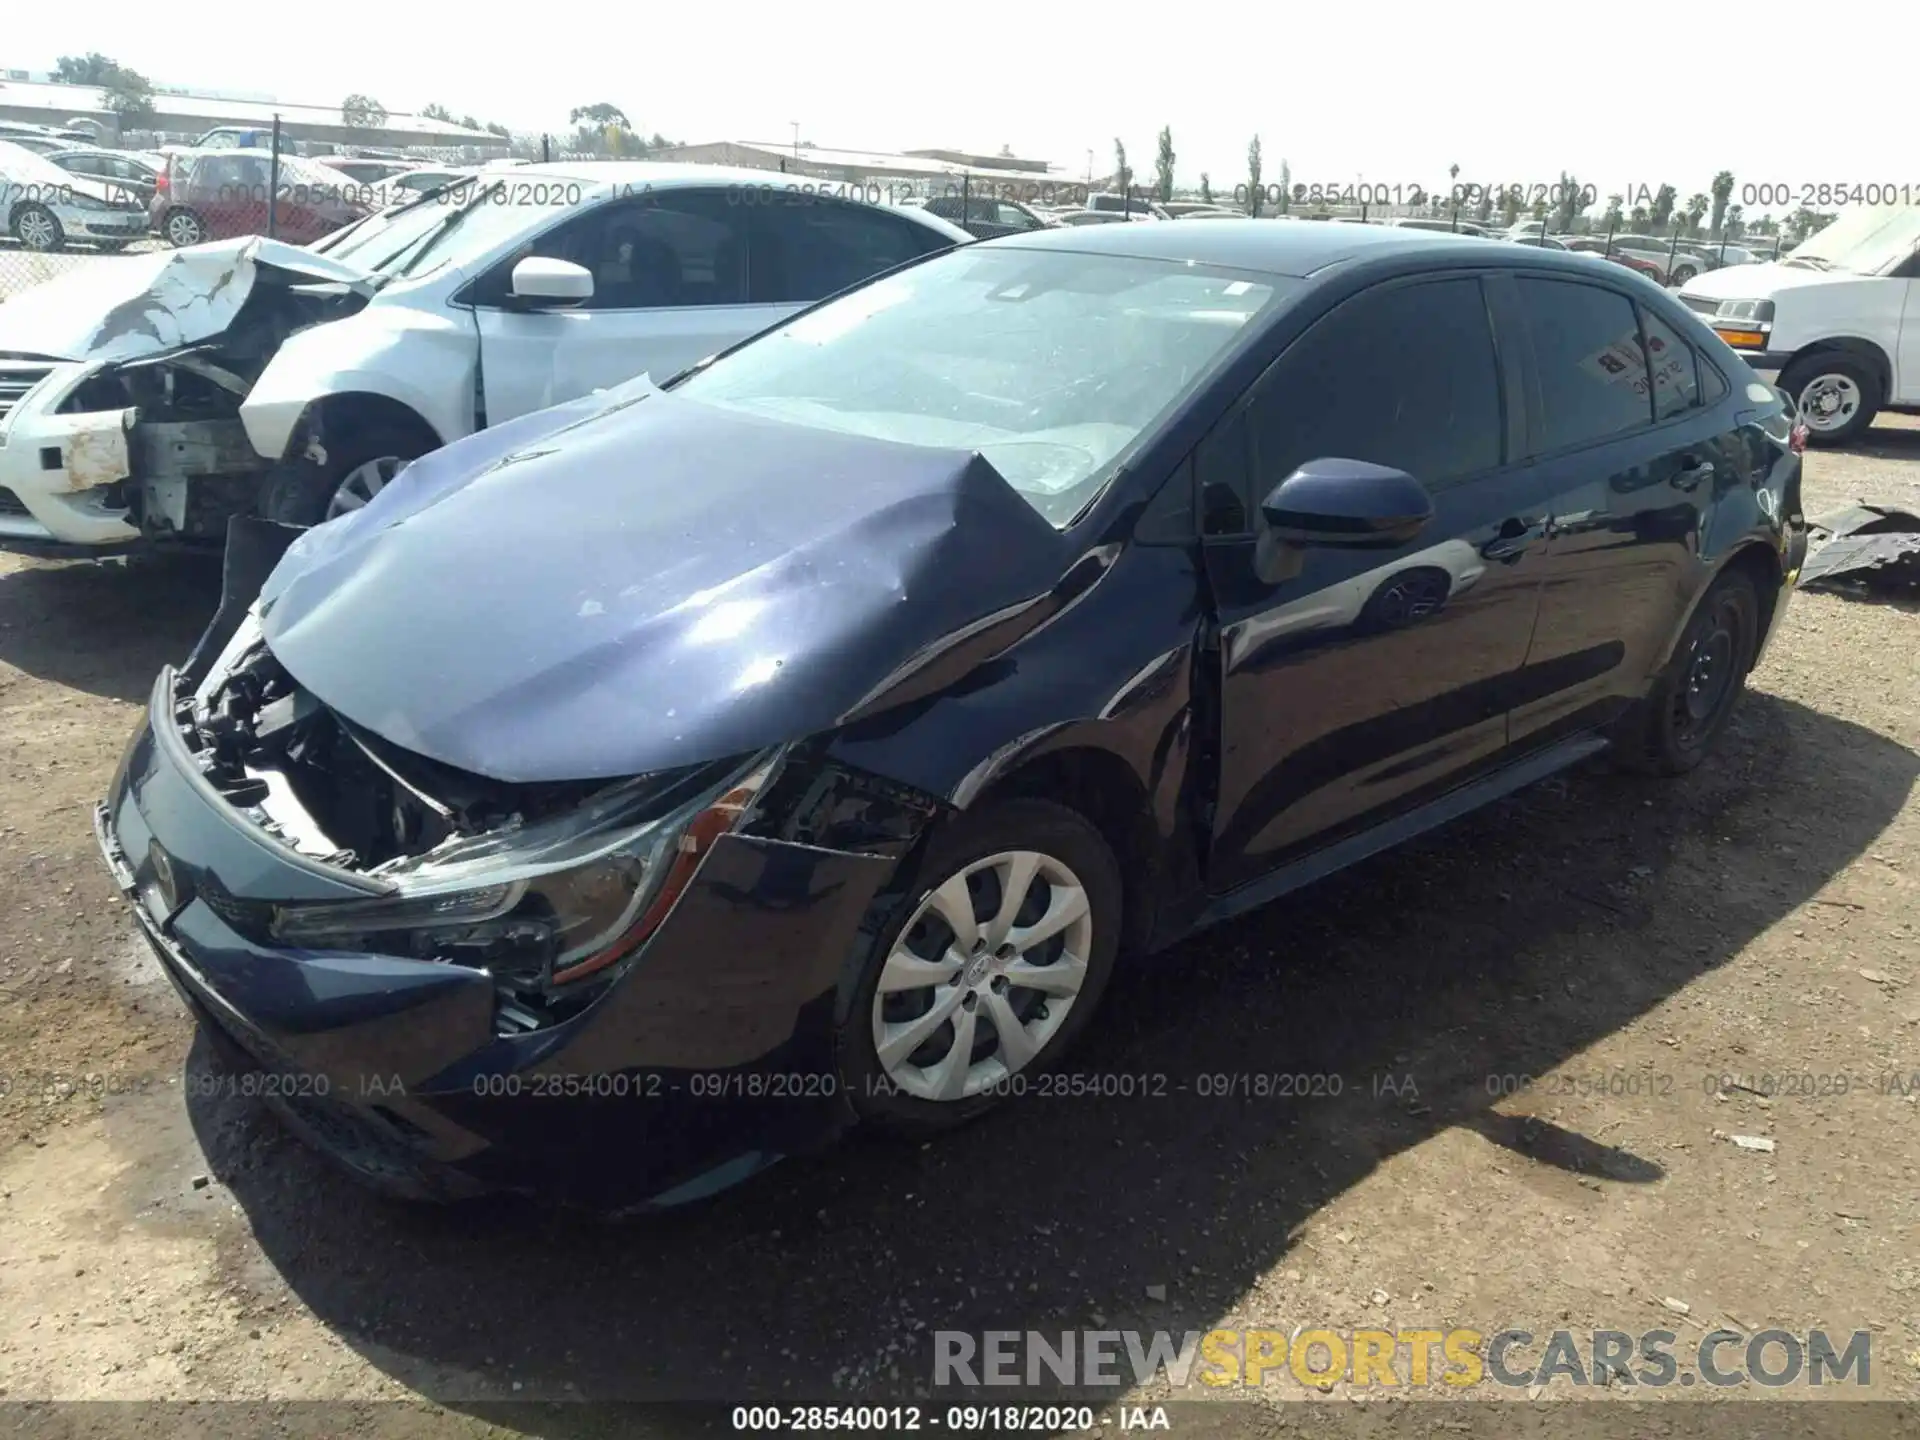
[994, 966]
[183, 228]
[1677, 725]
[1837, 395]
[1684, 271]
[38, 228]
[356, 469]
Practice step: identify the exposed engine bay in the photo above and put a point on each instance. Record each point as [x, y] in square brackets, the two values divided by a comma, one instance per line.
[189, 464]
[540, 885]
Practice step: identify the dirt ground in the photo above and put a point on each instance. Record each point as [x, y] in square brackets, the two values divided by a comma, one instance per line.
[1623, 941]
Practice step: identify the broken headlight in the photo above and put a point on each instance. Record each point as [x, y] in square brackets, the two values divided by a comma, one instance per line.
[548, 903]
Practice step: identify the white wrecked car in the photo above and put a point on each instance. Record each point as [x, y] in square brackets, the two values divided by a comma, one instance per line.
[157, 396]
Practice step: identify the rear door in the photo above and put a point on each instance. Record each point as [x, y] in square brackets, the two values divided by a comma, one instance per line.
[1628, 448]
[670, 288]
[1356, 683]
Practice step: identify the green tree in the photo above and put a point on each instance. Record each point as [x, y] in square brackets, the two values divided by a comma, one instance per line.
[1510, 206]
[1122, 176]
[1483, 207]
[599, 115]
[1803, 223]
[1163, 164]
[363, 111]
[1254, 195]
[1568, 205]
[437, 111]
[1736, 222]
[1722, 193]
[1697, 205]
[1286, 187]
[1206, 188]
[492, 127]
[126, 92]
[1539, 207]
[1613, 219]
[1661, 215]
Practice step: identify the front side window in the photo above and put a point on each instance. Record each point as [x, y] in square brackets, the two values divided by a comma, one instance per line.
[665, 249]
[1586, 352]
[1050, 366]
[1403, 376]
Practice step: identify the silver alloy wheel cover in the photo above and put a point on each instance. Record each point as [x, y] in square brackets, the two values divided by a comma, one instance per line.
[38, 230]
[361, 484]
[1840, 390]
[183, 230]
[973, 977]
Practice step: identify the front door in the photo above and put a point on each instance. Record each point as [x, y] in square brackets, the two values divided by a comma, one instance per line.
[669, 288]
[1354, 683]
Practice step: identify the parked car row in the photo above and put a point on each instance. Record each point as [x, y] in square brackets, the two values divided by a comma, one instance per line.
[293, 383]
[650, 787]
[195, 193]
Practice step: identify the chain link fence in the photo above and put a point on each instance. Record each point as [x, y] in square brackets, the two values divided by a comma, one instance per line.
[22, 269]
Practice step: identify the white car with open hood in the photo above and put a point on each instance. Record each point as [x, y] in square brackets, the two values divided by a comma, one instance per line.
[159, 395]
[1835, 322]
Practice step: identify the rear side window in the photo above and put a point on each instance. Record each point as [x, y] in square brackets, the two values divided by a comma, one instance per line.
[1403, 376]
[1586, 350]
[804, 253]
[1675, 368]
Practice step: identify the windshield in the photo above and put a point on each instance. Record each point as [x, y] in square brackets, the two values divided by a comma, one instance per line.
[29, 167]
[383, 237]
[1049, 364]
[474, 219]
[1870, 240]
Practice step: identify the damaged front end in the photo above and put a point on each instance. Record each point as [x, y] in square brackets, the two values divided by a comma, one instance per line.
[120, 402]
[549, 888]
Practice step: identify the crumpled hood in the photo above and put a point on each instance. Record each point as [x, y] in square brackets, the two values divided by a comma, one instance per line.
[621, 585]
[143, 304]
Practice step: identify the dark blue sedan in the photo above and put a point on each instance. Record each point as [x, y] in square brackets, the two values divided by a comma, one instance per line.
[648, 788]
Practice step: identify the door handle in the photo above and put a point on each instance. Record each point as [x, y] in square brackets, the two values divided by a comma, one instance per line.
[1515, 538]
[1694, 472]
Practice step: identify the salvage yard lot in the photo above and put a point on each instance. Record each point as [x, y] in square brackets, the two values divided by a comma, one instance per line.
[1625, 942]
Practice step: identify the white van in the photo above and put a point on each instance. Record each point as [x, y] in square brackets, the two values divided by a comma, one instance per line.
[157, 395]
[1835, 322]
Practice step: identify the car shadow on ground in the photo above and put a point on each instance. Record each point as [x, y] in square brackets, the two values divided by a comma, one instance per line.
[106, 626]
[1500, 947]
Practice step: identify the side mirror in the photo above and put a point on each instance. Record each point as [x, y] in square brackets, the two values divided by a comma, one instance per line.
[545, 281]
[1349, 503]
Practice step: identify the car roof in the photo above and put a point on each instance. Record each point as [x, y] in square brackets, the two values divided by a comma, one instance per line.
[1277, 247]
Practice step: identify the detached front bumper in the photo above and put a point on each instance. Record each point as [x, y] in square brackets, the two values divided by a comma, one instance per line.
[62, 477]
[708, 1059]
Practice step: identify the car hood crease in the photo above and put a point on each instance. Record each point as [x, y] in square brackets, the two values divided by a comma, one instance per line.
[618, 586]
[136, 305]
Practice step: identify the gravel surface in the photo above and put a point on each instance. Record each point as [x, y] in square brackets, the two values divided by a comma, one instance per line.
[1621, 941]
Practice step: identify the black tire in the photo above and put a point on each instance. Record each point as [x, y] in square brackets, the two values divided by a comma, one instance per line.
[181, 228]
[1041, 826]
[40, 223]
[300, 492]
[1677, 725]
[1811, 381]
[1682, 273]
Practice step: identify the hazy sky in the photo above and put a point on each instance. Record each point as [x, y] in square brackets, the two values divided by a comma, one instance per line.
[1621, 95]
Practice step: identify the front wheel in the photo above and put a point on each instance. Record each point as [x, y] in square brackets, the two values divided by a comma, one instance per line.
[1677, 725]
[38, 228]
[994, 965]
[356, 469]
[1683, 273]
[1837, 396]
[183, 228]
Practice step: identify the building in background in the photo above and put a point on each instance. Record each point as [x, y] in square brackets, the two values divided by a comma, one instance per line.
[179, 118]
[914, 172]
